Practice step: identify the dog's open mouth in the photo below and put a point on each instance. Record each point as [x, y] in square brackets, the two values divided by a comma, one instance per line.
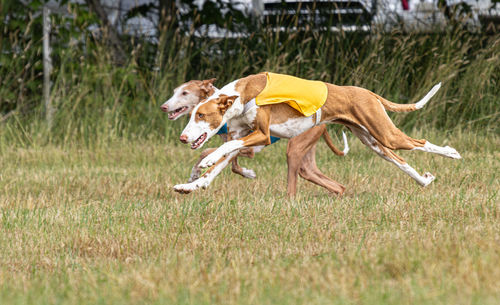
[174, 114]
[199, 141]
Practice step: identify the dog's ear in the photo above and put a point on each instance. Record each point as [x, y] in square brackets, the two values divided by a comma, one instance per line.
[224, 102]
[207, 85]
[209, 81]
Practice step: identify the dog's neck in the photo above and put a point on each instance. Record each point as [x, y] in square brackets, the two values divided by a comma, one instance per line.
[246, 89]
[249, 87]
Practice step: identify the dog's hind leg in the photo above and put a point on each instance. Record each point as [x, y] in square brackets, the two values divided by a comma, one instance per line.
[380, 127]
[245, 172]
[393, 138]
[309, 171]
[446, 151]
[301, 160]
[296, 150]
[294, 159]
[390, 156]
[396, 139]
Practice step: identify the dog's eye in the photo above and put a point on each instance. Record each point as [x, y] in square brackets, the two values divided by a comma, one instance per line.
[200, 115]
[184, 93]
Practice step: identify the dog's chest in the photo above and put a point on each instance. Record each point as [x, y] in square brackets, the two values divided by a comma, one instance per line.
[239, 127]
[244, 121]
[292, 127]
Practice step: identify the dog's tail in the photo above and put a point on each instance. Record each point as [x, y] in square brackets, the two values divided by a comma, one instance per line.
[335, 150]
[388, 105]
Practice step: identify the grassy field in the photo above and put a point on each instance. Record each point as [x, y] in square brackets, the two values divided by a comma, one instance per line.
[101, 225]
[87, 211]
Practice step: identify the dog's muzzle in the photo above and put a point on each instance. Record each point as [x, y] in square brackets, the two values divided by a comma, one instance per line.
[199, 141]
[175, 113]
[183, 138]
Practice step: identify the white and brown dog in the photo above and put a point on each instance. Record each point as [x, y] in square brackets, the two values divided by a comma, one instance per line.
[362, 111]
[301, 150]
[182, 102]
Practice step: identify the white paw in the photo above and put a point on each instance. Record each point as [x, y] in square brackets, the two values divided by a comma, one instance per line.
[248, 173]
[209, 160]
[185, 188]
[452, 153]
[428, 178]
[192, 186]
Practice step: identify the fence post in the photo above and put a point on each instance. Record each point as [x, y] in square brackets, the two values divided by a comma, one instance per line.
[47, 66]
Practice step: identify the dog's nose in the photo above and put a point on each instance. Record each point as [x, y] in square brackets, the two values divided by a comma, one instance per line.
[183, 138]
[164, 108]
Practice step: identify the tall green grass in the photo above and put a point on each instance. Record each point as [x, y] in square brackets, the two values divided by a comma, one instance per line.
[98, 102]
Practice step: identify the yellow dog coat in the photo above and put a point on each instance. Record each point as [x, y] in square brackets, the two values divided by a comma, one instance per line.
[305, 96]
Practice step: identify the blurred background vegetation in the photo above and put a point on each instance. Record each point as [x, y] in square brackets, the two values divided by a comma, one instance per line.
[109, 81]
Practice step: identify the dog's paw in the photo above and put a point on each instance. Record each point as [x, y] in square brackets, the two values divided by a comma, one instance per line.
[248, 173]
[209, 160]
[192, 186]
[452, 153]
[428, 178]
[185, 188]
[195, 174]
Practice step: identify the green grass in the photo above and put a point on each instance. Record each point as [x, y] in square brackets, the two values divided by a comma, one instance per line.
[97, 101]
[101, 225]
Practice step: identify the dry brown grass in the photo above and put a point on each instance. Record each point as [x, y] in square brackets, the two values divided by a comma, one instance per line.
[102, 226]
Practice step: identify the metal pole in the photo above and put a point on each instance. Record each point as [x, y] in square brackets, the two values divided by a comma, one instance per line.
[47, 66]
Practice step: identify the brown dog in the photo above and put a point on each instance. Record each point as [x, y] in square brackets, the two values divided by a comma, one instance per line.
[300, 151]
[362, 111]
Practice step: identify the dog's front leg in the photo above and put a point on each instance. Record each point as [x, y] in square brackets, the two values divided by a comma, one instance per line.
[207, 178]
[196, 170]
[220, 152]
[260, 136]
[253, 139]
